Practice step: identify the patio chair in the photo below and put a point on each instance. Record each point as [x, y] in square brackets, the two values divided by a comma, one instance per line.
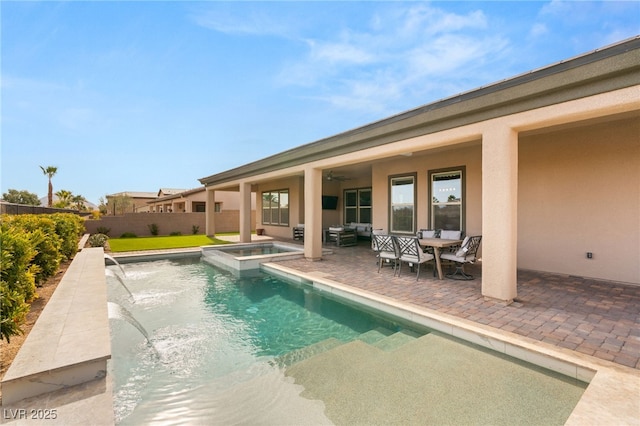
[428, 233]
[466, 254]
[410, 251]
[386, 250]
[376, 232]
[447, 234]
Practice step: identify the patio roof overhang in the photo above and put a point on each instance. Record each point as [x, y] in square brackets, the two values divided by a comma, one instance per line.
[604, 70]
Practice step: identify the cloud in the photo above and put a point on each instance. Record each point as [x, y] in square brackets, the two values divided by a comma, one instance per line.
[254, 23]
[339, 52]
[371, 63]
[398, 55]
[538, 29]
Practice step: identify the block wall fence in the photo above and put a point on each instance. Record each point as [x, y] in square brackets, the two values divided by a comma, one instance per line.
[138, 223]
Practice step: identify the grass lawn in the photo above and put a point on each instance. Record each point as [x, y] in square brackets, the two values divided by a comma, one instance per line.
[160, 243]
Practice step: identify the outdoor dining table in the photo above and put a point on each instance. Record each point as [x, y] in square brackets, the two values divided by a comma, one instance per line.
[437, 244]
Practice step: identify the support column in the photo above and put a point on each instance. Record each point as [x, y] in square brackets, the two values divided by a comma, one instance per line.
[245, 212]
[313, 214]
[500, 213]
[210, 209]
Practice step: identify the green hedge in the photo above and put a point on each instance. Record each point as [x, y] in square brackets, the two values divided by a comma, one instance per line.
[31, 249]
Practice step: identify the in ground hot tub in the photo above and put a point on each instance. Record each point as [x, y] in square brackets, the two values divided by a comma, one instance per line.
[244, 257]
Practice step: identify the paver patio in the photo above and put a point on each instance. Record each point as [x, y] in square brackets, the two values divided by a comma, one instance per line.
[594, 317]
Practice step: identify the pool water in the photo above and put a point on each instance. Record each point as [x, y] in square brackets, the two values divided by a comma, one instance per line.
[224, 349]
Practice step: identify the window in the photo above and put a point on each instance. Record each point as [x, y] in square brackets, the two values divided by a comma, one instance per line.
[357, 205]
[217, 207]
[402, 195]
[275, 207]
[447, 197]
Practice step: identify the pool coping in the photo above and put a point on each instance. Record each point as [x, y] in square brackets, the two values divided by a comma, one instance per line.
[605, 401]
[62, 364]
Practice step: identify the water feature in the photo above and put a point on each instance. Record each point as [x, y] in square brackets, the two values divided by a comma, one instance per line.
[110, 273]
[115, 262]
[258, 350]
[118, 312]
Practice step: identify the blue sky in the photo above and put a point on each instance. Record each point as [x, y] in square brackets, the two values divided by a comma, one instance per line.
[137, 96]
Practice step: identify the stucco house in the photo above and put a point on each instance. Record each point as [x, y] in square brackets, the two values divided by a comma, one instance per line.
[137, 204]
[194, 201]
[544, 165]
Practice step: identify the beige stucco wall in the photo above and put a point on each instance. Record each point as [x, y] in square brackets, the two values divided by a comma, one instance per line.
[579, 193]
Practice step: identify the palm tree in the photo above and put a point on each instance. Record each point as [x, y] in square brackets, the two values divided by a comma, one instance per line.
[78, 202]
[50, 171]
[64, 199]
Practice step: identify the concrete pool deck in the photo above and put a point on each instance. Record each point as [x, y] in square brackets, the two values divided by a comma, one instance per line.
[614, 392]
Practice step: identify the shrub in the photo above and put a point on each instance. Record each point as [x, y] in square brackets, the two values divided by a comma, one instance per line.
[17, 277]
[103, 230]
[98, 240]
[153, 228]
[195, 229]
[128, 235]
[42, 234]
[175, 234]
[31, 249]
[68, 228]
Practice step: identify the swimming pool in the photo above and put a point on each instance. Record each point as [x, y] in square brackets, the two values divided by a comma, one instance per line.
[244, 350]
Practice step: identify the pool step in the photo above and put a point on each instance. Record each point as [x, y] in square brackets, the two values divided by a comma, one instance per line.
[373, 336]
[396, 340]
[298, 355]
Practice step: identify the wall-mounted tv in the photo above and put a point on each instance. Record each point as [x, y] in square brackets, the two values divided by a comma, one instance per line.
[329, 202]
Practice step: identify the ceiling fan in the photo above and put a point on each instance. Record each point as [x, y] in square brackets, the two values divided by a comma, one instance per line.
[331, 177]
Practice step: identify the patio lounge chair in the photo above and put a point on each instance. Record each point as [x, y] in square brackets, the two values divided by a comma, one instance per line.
[386, 249]
[465, 254]
[410, 251]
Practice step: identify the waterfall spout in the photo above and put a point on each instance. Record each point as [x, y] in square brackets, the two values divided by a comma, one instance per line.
[115, 262]
[110, 273]
[118, 312]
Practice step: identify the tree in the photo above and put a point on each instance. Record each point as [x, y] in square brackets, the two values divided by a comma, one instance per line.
[50, 171]
[121, 203]
[21, 197]
[78, 202]
[64, 199]
[102, 207]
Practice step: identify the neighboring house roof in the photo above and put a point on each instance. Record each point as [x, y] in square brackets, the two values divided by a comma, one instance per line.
[169, 191]
[184, 193]
[134, 194]
[603, 70]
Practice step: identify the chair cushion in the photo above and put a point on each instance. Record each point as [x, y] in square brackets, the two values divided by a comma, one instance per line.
[463, 248]
[459, 259]
[427, 233]
[450, 235]
[336, 228]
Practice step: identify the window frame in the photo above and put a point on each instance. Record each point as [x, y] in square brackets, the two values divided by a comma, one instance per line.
[358, 208]
[463, 191]
[414, 178]
[278, 208]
